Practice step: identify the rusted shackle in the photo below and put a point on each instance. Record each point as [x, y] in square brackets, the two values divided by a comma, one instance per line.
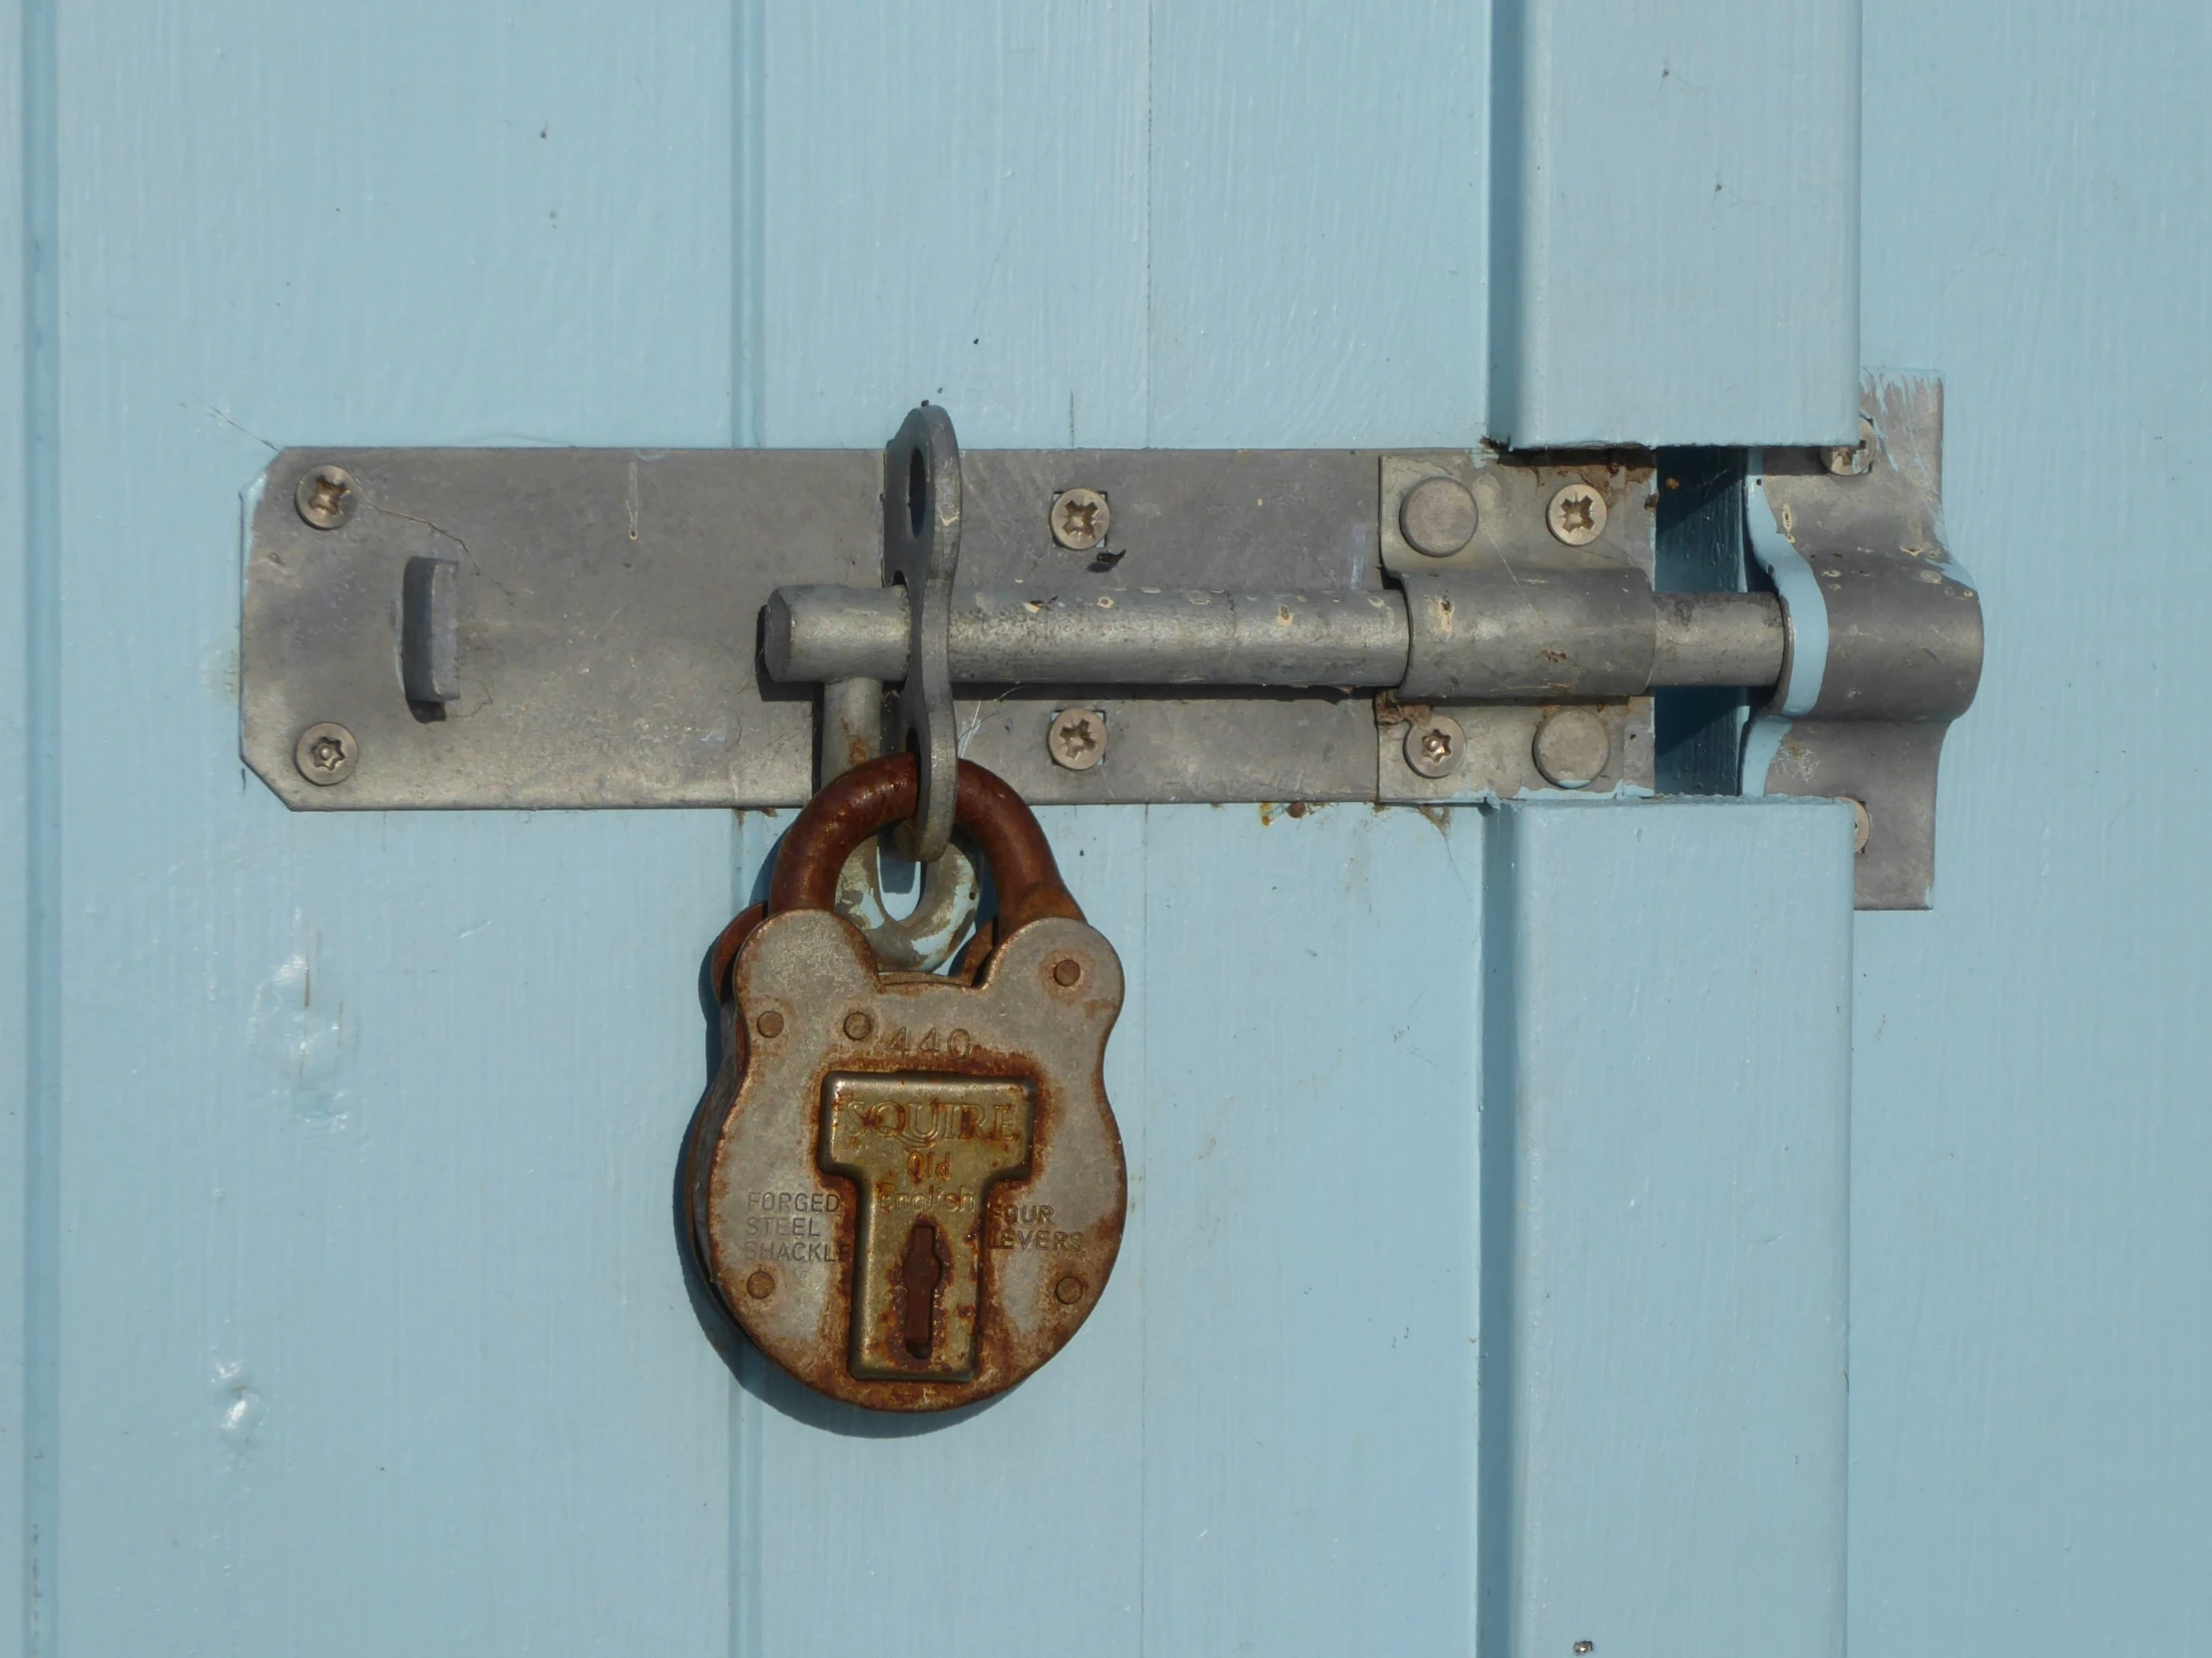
[873, 796]
[880, 793]
[908, 1188]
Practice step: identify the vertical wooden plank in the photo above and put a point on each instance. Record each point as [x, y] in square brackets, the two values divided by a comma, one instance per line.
[1319, 233]
[373, 1337]
[1310, 1288]
[26, 154]
[1265, 1434]
[1675, 230]
[35, 825]
[1320, 245]
[1664, 1152]
[955, 211]
[1020, 1515]
[2031, 1329]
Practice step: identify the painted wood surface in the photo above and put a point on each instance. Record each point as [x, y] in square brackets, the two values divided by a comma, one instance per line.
[20, 971]
[1265, 1436]
[347, 1255]
[2031, 1447]
[1676, 222]
[362, 1299]
[1665, 1156]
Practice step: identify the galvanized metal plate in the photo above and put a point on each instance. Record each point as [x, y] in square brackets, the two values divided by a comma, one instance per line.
[1199, 746]
[865, 1104]
[599, 616]
[1902, 636]
[1513, 502]
[1499, 758]
[607, 606]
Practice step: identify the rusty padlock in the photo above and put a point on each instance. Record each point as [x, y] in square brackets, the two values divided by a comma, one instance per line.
[908, 1189]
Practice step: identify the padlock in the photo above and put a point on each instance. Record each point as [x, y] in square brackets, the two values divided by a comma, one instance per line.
[908, 1188]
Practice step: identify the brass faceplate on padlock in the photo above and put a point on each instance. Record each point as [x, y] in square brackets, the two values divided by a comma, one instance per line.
[911, 1191]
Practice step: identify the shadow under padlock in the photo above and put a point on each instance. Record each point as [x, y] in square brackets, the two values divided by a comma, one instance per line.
[907, 1188]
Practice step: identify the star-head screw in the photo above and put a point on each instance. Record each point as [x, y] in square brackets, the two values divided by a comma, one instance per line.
[326, 753]
[1077, 738]
[1079, 519]
[325, 496]
[1576, 515]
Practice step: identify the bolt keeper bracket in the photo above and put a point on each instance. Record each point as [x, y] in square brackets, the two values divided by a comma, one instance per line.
[539, 628]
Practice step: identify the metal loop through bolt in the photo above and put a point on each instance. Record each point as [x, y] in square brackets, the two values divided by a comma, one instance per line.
[921, 547]
[926, 937]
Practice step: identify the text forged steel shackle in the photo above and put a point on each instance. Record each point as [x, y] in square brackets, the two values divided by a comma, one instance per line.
[909, 1189]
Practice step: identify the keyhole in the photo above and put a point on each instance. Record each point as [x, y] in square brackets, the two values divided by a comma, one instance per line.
[921, 1271]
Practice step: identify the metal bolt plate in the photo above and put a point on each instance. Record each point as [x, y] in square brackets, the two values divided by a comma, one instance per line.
[1513, 498]
[1903, 626]
[1499, 757]
[600, 593]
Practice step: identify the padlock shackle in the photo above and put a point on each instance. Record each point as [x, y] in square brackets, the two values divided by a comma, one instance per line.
[874, 796]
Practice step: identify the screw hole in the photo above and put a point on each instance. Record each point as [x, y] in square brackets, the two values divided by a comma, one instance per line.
[917, 490]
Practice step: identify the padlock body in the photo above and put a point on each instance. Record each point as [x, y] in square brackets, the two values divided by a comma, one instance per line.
[909, 1190]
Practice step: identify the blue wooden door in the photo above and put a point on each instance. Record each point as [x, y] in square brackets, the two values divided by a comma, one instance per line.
[1493, 1222]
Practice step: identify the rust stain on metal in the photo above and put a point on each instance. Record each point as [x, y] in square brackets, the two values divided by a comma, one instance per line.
[936, 1202]
[882, 792]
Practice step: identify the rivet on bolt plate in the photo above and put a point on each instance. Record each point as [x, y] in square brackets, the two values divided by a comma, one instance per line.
[1081, 519]
[1438, 517]
[1854, 460]
[1572, 748]
[326, 753]
[1862, 824]
[325, 496]
[857, 1025]
[769, 1024]
[1077, 738]
[1576, 515]
[1434, 746]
